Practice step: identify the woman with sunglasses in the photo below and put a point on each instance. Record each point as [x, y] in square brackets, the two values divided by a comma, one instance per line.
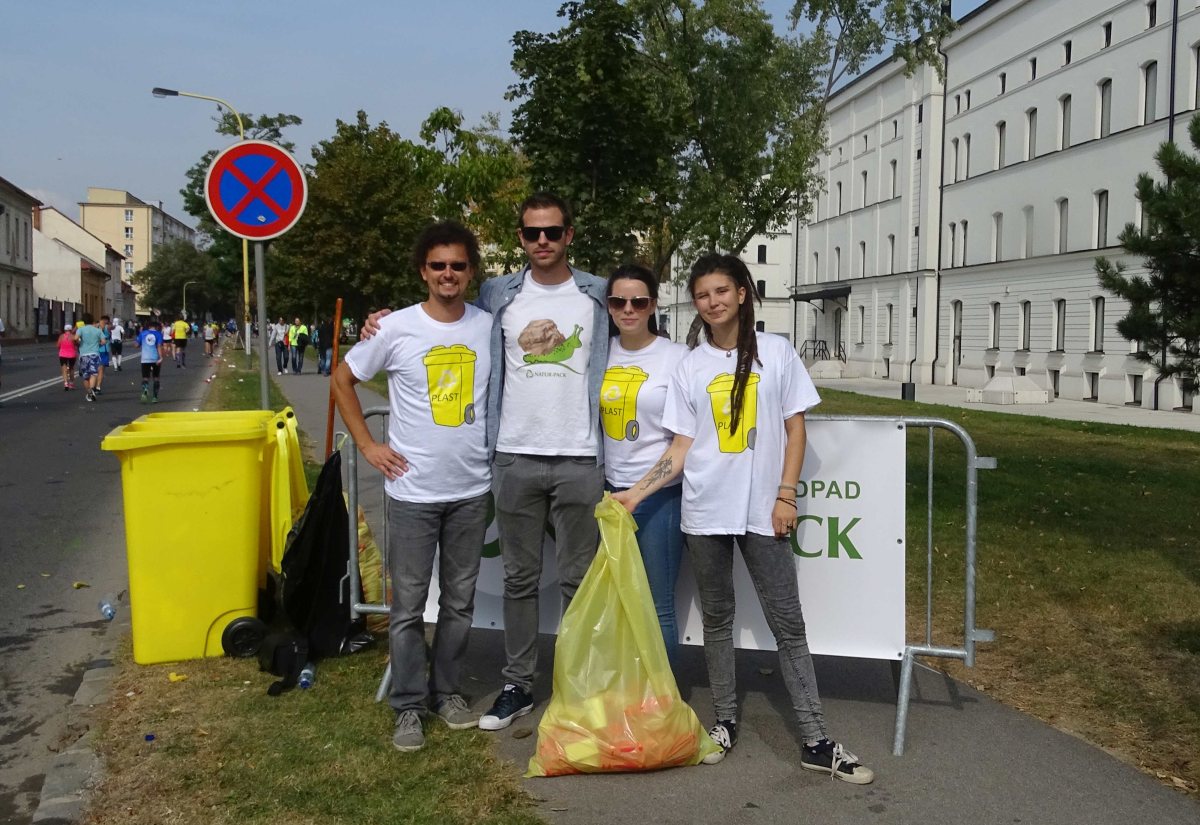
[640, 365]
[736, 405]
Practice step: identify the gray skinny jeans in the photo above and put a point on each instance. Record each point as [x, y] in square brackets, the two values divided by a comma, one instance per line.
[415, 532]
[527, 490]
[773, 570]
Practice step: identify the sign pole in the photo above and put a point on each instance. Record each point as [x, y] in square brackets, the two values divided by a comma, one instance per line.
[261, 291]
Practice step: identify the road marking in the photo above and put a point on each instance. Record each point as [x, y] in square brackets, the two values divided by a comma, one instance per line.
[41, 385]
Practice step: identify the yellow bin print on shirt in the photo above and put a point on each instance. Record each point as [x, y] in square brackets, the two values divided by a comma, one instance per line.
[618, 402]
[720, 396]
[451, 375]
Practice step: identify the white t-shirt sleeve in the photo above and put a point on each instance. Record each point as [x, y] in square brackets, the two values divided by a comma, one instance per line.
[679, 415]
[797, 391]
[368, 358]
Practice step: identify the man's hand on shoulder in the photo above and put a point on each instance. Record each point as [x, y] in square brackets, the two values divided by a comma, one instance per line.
[371, 327]
[384, 459]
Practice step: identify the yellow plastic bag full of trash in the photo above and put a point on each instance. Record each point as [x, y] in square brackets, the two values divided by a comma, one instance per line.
[615, 705]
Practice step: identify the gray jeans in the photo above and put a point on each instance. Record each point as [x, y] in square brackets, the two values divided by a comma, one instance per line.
[773, 570]
[528, 489]
[415, 531]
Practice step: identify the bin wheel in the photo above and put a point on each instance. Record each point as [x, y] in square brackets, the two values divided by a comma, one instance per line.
[750, 436]
[632, 430]
[243, 637]
[469, 414]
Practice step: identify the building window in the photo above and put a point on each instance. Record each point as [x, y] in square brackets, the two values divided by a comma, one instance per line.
[1001, 141]
[997, 236]
[1102, 219]
[966, 156]
[839, 197]
[1026, 318]
[1064, 115]
[967, 98]
[1098, 324]
[1149, 92]
[761, 286]
[837, 263]
[129, 233]
[1060, 325]
[129, 267]
[964, 243]
[762, 253]
[1196, 76]
[866, 143]
[1033, 68]
[1135, 391]
[816, 270]
[1107, 30]
[1151, 14]
[1067, 53]
[891, 254]
[891, 323]
[953, 243]
[954, 160]
[1031, 134]
[1027, 240]
[1105, 108]
[895, 128]
[864, 189]
[128, 250]
[862, 322]
[920, 112]
[994, 323]
[1003, 82]
[128, 216]
[892, 175]
[957, 104]
[1093, 384]
[862, 258]
[1054, 376]
[1063, 216]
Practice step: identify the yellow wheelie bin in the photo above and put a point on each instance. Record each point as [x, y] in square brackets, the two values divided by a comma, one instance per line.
[193, 495]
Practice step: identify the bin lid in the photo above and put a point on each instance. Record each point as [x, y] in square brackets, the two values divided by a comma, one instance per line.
[137, 437]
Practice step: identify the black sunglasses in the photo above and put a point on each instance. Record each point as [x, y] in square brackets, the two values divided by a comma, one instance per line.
[640, 302]
[440, 266]
[532, 233]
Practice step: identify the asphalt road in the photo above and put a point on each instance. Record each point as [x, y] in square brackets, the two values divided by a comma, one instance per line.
[61, 524]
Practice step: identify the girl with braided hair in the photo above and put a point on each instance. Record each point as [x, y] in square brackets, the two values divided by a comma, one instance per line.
[735, 406]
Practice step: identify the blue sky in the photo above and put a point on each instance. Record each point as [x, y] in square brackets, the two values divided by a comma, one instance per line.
[75, 78]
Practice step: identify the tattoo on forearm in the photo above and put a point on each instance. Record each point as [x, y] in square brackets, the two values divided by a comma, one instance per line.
[661, 471]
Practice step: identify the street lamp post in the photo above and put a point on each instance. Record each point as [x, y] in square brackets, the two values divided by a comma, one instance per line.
[185, 286]
[158, 91]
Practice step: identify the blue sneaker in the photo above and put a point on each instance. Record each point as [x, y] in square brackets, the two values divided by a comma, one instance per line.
[511, 703]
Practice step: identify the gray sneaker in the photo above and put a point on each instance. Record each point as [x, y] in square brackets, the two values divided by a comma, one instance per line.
[455, 713]
[408, 735]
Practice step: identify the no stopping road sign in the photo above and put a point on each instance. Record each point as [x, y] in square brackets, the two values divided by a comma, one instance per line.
[255, 190]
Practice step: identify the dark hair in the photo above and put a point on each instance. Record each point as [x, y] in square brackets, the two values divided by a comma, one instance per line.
[87, 318]
[544, 200]
[747, 342]
[633, 272]
[446, 233]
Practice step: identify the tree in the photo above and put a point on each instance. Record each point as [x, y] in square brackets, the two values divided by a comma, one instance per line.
[176, 263]
[370, 193]
[481, 180]
[226, 249]
[1164, 303]
[733, 110]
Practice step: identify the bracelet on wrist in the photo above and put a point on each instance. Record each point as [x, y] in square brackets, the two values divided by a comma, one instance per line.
[790, 501]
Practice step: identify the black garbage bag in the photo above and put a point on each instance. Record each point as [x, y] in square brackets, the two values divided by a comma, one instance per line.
[315, 590]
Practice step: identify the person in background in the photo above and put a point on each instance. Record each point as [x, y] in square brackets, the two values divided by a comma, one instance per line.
[210, 336]
[640, 366]
[736, 405]
[150, 346]
[116, 343]
[299, 335]
[277, 338]
[88, 337]
[181, 329]
[325, 347]
[105, 355]
[68, 354]
[435, 460]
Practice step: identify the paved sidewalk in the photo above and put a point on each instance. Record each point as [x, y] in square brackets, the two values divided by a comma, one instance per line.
[969, 759]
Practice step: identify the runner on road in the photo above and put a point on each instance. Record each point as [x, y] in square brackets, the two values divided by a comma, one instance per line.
[89, 338]
[150, 342]
[68, 354]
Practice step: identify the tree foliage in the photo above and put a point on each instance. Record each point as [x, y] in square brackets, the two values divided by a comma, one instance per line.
[694, 124]
[175, 263]
[1164, 303]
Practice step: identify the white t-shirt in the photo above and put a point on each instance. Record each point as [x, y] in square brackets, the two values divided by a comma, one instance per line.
[437, 390]
[547, 343]
[632, 398]
[117, 333]
[731, 479]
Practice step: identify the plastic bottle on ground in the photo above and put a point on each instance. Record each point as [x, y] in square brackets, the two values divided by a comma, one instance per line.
[308, 676]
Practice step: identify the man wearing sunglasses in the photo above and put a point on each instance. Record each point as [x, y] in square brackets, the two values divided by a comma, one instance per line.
[549, 352]
[437, 355]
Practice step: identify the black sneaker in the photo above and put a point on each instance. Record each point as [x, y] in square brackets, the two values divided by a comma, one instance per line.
[831, 758]
[724, 733]
[511, 703]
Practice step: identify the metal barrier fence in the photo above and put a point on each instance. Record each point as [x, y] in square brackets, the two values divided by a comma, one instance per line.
[971, 635]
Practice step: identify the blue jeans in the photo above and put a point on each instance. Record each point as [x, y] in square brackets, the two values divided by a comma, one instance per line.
[324, 357]
[661, 542]
[298, 357]
[772, 568]
[415, 531]
[281, 357]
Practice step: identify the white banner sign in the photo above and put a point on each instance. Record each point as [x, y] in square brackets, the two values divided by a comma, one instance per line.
[849, 550]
